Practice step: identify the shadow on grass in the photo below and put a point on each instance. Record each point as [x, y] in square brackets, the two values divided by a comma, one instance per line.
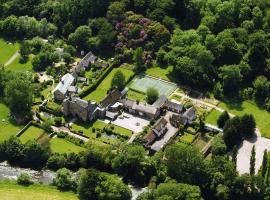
[234, 103]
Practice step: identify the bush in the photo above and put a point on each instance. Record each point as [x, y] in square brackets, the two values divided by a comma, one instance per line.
[24, 179]
[63, 180]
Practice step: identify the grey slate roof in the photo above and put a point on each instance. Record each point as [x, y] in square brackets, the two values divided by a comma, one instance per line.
[66, 81]
[144, 107]
[160, 101]
[174, 106]
[191, 112]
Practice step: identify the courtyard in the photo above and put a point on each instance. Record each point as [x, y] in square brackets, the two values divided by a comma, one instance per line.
[131, 122]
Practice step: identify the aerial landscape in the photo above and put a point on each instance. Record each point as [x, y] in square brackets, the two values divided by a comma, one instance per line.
[134, 99]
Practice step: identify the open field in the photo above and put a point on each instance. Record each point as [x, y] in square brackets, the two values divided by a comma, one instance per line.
[7, 50]
[32, 133]
[7, 127]
[12, 191]
[212, 117]
[59, 145]
[101, 91]
[21, 67]
[248, 107]
[160, 72]
[142, 83]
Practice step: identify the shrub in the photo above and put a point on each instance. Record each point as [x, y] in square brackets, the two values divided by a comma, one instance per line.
[24, 179]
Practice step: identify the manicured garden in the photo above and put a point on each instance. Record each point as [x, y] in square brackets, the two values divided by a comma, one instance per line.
[7, 126]
[59, 145]
[11, 191]
[7, 50]
[101, 91]
[201, 141]
[31, 133]
[248, 107]
[212, 117]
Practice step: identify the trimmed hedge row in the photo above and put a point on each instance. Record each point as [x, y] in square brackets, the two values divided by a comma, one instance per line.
[91, 88]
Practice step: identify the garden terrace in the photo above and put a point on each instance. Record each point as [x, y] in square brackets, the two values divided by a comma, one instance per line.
[101, 91]
[31, 133]
[59, 145]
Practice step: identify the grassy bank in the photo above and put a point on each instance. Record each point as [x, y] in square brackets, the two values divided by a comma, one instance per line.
[12, 191]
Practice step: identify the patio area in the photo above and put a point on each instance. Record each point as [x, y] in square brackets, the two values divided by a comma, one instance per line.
[131, 122]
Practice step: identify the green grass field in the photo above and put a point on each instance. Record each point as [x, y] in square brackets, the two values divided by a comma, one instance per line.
[248, 107]
[201, 142]
[7, 50]
[21, 67]
[101, 91]
[11, 191]
[7, 127]
[159, 72]
[212, 117]
[134, 95]
[59, 145]
[32, 133]
[142, 83]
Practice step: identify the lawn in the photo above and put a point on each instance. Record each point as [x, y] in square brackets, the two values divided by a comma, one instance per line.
[101, 91]
[59, 145]
[212, 117]
[11, 191]
[134, 95]
[159, 72]
[7, 50]
[21, 67]
[91, 130]
[187, 138]
[32, 133]
[7, 126]
[248, 107]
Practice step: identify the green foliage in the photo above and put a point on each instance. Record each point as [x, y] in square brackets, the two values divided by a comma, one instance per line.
[24, 179]
[252, 161]
[152, 95]
[223, 118]
[138, 59]
[64, 180]
[218, 146]
[118, 80]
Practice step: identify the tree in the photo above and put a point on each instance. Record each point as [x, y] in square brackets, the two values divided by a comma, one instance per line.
[152, 95]
[264, 163]
[252, 161]
[111, 187]
[261, 89]
[118, 80]
[234, 155]
[232, 134]
[80, 38]
[35, 155]
[138, 59]
[24, 179]
[222, 119]
[248, 125]
[18, 95]
[88, 182]
[218, 146]
[180, 164]
[13, 150]
[64, 180]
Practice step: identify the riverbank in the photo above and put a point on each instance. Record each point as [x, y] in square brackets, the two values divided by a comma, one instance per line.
[9, 190]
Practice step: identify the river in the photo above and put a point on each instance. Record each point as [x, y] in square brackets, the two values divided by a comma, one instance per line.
[46, 177]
